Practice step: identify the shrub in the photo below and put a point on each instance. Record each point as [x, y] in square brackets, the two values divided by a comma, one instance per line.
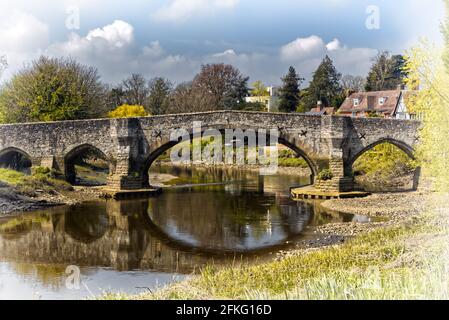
[128, 111]
[325, 174]
[45, 171]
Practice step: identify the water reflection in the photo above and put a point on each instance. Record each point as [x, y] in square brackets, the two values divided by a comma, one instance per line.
[177, 232]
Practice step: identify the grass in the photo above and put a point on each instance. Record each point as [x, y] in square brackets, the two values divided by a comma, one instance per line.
[406, 261]
[11, 177]
[29, 184]
[92, 175]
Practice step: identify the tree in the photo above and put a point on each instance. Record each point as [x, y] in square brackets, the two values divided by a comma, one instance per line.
[352, 83]
[128, 111]
[135, 89]
[186, 98]
[301, 107]
[289, 92]
[53, 89]
[427, 69]
[159, 93]
[386, 73]
[259, 90]
[116, 97]
[325, 86]
[225, 84]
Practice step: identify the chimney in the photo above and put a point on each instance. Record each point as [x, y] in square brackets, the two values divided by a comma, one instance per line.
[371, 100]
[401, 86]
[319, 105]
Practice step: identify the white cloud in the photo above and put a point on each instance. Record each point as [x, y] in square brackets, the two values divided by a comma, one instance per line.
[22, 38]
[182, 10]
[302, 48]
[117, 34]
[22, 32]
[333, 45]
[307, 53]
[153, 50]
[114, 51]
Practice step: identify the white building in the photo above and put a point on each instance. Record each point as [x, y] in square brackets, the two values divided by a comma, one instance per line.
[271, 101]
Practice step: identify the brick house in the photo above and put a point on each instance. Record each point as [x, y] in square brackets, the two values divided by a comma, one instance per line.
[387, 104]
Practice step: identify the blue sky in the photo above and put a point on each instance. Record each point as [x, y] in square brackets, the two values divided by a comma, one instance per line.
[173, 38]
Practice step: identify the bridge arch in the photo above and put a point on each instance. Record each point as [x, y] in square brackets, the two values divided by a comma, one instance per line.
[16, 159]
[401, 145]
[167, 144]
[404, 147]
[76, 153]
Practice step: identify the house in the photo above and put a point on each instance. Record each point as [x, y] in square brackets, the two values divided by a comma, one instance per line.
[321, 110]
[387, 104]
[271, 100]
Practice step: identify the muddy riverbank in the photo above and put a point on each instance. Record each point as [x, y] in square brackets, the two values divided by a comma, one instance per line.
[12, 202]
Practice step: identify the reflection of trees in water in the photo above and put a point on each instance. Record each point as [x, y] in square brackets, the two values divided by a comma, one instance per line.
[19, 226]
[192, 175]
[50, 275]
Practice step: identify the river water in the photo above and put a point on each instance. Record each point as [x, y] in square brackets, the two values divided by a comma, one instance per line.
[209, 216]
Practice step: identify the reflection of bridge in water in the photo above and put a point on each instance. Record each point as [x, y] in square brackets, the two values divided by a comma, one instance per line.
[121, 235]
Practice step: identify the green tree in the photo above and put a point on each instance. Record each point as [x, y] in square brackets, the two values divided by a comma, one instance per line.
[325, 86]
[386, 73]
[259, 90]
[128, 111]
[159, 93]
[289, 92]
[53, 89]
[301, 107]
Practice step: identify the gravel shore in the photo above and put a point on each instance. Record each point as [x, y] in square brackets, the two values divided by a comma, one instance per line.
[390, 208]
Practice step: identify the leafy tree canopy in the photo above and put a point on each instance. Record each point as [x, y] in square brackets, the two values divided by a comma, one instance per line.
[52, 89]
[325, 86]
[386, 73]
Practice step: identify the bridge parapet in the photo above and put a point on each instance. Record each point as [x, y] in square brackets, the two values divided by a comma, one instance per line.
[131, 145]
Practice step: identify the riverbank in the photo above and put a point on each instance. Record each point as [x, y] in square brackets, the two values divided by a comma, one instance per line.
[23, 193]
[403, 257]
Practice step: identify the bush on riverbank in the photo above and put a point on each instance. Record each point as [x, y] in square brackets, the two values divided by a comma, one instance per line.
[41, 180]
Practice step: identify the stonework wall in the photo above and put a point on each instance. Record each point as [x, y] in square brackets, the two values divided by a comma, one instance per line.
[132, 144]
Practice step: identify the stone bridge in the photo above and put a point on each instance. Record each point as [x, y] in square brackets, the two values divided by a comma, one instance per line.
[131, 145]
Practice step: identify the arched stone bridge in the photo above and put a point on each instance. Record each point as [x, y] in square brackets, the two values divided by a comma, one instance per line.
[131, 145]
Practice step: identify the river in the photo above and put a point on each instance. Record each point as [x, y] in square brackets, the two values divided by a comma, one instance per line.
[208, 216]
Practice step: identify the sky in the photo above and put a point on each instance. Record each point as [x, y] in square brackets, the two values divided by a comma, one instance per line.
[173, 38]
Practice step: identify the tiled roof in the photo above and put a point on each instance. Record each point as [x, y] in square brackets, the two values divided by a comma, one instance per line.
[370, 101]
[326, 111]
